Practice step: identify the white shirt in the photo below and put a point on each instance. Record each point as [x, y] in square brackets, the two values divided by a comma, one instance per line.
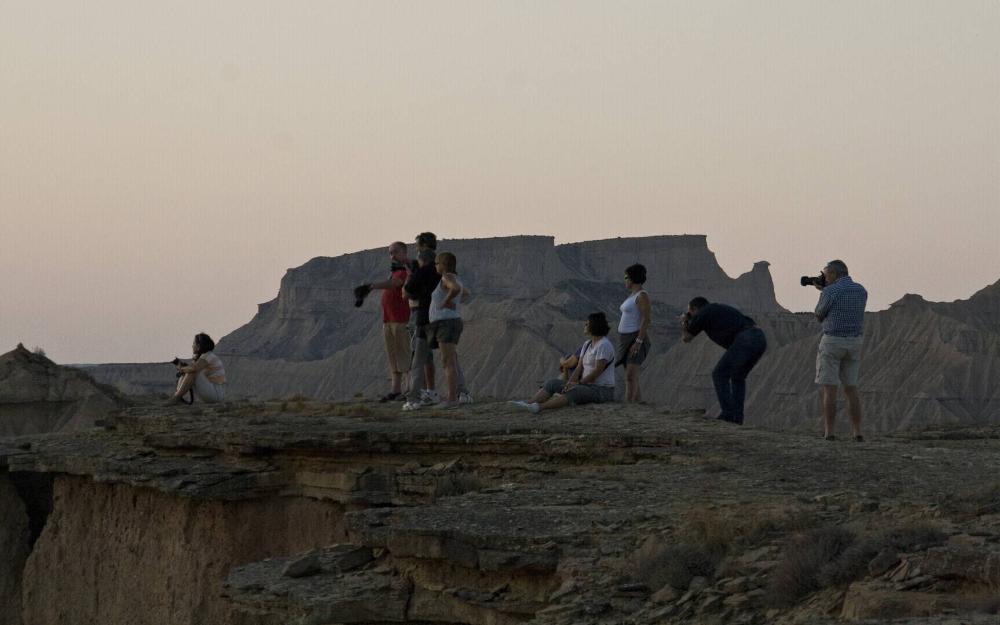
[604, 350]
[631, 317]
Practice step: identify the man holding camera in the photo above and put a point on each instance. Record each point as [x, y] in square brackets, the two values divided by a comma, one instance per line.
[395, 315]
[743, 341]
[841, 309]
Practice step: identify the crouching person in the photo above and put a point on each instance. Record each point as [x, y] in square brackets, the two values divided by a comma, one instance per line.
[204, 375]
[593, 380]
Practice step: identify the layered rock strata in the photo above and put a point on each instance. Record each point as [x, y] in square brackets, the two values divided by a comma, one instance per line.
[306, 512]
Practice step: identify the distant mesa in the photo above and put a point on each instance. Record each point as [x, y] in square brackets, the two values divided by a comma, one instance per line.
[926, 363]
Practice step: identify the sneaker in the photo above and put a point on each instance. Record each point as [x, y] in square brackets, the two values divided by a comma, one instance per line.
[518, 402]
[464, 398]
[389, 397]
[412, 405]
[429, 398]
[532, 407]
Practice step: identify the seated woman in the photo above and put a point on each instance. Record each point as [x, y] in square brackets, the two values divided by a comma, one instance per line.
[205, 375]
[593, 380]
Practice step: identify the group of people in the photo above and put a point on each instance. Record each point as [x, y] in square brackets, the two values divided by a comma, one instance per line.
[422, 312]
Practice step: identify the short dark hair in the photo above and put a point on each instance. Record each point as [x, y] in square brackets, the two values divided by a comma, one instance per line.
[636, 273]
[204, 342]
[428, 239]
[698, 302]
[598, 324]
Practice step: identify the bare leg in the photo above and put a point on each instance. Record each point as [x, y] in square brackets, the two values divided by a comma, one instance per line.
[185, 384]
[854, 408]
[829, 393]
[557, 401]
[540, 397]
[397, 382]
[429, 375]
[632, 394]
[449, 359]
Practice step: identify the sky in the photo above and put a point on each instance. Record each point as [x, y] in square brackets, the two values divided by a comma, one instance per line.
[163, 163]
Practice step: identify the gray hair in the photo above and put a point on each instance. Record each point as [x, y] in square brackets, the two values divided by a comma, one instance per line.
[839, 266]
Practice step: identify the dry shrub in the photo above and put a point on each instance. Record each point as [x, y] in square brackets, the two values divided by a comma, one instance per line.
[657, 563]
[799, 572]
[720, 530]
[853, 562]
[974, 502]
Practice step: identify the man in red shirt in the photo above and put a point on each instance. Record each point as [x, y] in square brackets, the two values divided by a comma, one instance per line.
[395, 314]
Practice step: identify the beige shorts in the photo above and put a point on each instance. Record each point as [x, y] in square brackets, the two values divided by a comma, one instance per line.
[397, 346]
[838, 360]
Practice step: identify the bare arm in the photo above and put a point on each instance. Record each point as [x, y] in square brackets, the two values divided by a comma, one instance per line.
[599, 368]
[454, 290]
[193, 367]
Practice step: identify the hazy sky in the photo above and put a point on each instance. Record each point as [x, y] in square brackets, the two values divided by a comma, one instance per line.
[163, 163]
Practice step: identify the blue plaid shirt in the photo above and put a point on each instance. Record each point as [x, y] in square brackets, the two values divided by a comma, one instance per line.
[841, 306]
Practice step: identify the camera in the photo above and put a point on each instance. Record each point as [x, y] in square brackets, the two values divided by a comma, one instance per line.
[360, 293]
[177, 362]
[819, 281]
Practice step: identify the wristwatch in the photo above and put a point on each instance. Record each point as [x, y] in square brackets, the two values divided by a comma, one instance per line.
[638, 340]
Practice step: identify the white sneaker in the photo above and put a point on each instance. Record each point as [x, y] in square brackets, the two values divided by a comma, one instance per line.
[412, 405]
[429, 398]
[518, 402]
[530, 407]
[464, 398]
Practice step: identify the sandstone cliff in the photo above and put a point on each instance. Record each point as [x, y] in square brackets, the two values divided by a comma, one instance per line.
[309, 513]
[37, 395]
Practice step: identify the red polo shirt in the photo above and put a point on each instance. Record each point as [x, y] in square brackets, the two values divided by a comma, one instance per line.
[395, 308]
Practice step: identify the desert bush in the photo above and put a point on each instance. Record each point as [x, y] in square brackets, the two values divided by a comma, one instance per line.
[853, 562]
[721, 530]
[799, 572]
[658, 563]
[973, 502]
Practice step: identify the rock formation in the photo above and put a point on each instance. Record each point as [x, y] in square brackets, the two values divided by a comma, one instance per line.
[925, 362]
[37, 395]
[306, 512]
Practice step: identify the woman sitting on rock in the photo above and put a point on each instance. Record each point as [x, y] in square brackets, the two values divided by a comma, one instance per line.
[205, 375]
[593, 380]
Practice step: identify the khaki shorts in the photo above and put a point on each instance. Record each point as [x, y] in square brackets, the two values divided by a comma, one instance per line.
[397, 346]
[838, 360]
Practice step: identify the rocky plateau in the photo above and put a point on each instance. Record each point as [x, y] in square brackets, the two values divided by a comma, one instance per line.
[307, 512]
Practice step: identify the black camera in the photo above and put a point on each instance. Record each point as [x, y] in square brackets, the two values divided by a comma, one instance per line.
[819, 281]
[360, 293]
[177, 362]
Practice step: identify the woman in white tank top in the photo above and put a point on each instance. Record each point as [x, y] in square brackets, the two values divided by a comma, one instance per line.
[205, 376]
[633, 342]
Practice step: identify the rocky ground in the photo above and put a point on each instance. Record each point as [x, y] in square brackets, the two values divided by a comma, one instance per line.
[488, 515]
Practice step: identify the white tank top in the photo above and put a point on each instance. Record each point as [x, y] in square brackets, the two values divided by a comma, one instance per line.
[631, 317]
[437, 312]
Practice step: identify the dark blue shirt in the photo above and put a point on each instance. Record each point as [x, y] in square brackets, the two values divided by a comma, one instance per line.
[841, 306]
[720, 322]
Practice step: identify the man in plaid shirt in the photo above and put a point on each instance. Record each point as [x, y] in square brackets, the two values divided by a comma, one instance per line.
[841, 309]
